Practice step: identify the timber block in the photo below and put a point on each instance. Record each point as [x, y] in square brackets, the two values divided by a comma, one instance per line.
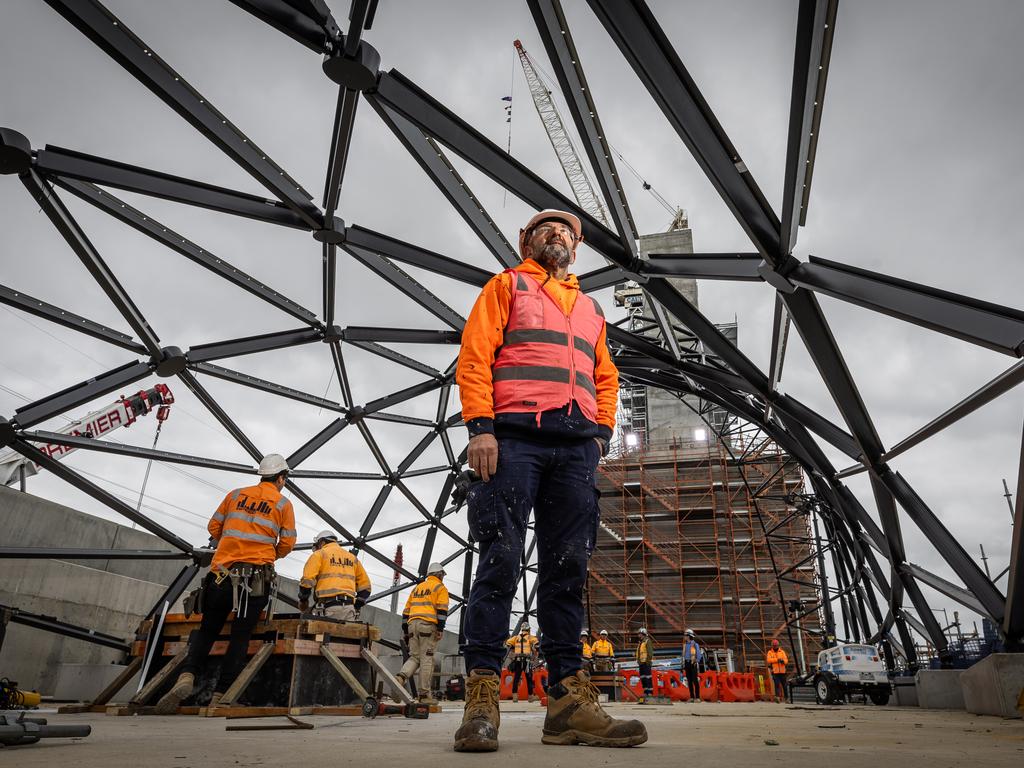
[993, 685]
[939, 688]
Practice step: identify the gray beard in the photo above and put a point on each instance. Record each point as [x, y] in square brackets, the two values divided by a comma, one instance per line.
[554, 257]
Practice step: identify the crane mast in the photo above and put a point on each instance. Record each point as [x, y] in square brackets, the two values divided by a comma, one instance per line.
[582, 188]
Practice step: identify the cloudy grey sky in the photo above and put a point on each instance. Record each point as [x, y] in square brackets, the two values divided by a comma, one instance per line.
[918, 175]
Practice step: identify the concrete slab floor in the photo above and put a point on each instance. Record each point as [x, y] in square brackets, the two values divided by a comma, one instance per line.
[684, 734]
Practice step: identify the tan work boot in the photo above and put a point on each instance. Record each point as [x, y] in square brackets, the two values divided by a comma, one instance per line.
[428, 699]
[481, 718]
[533, 697]
[515, 698]
[211, 708]
[575, 717]
[181, 690]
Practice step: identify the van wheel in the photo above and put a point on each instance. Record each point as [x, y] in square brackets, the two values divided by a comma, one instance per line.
[824, 690]
[879, 696]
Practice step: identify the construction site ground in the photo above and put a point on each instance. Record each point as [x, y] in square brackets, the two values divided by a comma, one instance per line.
[759, 734]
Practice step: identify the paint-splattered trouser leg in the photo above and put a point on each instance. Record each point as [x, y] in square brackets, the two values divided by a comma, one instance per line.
[498, 512]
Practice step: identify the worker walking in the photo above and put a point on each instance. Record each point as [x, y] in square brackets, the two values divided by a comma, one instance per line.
[693, 655]
[777, 662]
[524, 655]
[252, 528]
[604, 653]
[588, 652]
[644, 659]
[336, 578]
[539, 391]
[423, 619]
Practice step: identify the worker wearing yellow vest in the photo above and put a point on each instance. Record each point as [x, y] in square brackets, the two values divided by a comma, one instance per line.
[423, 620]
[644, 659]
[252, 528]
[523, 649]
[336, 578]
[539, 392]
[604, 653]
[777, 662]
[588, 651]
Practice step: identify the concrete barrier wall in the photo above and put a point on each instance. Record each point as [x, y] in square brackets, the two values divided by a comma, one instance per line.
[993, 685]
[939, 689]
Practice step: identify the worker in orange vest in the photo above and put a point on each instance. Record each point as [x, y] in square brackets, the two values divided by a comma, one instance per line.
[335, 578]
[524, 655]
[539, 392]
[588, 651]
[777, 661]
[252, 528]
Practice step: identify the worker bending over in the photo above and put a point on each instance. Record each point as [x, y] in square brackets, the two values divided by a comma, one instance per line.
[644, 658]
[692, 657]
[336, 578]
[777, 662]
[524, 655]
[604, 653]
[423, 620]
[588, 652]
[539, 391]
[252, 528]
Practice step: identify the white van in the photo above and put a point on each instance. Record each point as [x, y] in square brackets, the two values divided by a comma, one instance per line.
[851, 668]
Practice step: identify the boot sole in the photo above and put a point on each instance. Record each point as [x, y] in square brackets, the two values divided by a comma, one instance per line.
[571, 737]
[168, 705]
[476, 745]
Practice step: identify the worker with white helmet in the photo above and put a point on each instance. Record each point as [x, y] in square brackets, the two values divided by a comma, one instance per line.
[644, 659]
[539, 392]
[693, 655]
[423, 621]
[604, 653]
[336, 578]
[251, 528]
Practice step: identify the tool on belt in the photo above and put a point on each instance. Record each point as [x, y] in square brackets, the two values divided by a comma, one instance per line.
[247, 581]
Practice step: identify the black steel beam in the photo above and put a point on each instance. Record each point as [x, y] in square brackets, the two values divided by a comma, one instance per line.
[1013, 622]
[341, 140]
[645, 46]
[332, 475]
[819, 425]
[397, 250]
[266, 386]
[402, 395]
[55, 314]
[314, 32]
[400, 335]
[219, 414]
[947, 588]
[67, 164]
[65, 473]
[112, 36]
[602, 278]
[397, 357]
[978, 322]
[61, 218]
[121, 449]
[252, 344]
[58, 627]
[433, 161]
[315, 443]
[145, 224]
[69, 553]
[704, 266]
[60, 402]
[814, 30]
[397, 418]
[565, 61]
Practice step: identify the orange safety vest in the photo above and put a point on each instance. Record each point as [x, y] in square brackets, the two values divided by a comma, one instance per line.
[427, 602]
[777, 661]
[588, 650]
[602, 648]
[522, 646]
[253, 525]
[334, 571]
[645, 651]
[547, 358]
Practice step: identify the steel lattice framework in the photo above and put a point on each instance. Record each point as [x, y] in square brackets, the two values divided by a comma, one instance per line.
[872, 555]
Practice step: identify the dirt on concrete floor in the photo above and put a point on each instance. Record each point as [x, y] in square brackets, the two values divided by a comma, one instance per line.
[759, 734]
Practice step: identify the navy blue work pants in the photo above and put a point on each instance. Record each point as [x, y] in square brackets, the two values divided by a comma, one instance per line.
[557, 482]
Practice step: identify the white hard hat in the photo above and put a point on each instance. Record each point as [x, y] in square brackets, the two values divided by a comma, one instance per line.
[584, 632]
[326, 535]
[604, 631]
[524, 628]
[273, 464]
[550, 214]
[689, 632]
[643, 630]
[435, 567]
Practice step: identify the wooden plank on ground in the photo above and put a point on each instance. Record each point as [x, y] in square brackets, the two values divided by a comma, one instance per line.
[288, 646]
[119, 682]
[176, 625]
[169, 669]
[247, 674]
[345, 672]
[384, 672]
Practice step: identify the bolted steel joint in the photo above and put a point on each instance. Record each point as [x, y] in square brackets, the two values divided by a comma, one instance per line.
[359, 73]
[172, 362]
[15, 152]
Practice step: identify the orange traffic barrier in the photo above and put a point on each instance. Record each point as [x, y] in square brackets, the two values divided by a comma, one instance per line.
[709, 685]
[540, 680]
[631, 680]
[735, 686]
[668, 682]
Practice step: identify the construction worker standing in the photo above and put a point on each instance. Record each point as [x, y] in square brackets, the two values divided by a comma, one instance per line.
[252, 528]
[588, 652]
[423, 620]
[692, 657]
[644, 658]
[539, 391]
[777, 662]
[336, 578]
[524, 654]
[604, 653]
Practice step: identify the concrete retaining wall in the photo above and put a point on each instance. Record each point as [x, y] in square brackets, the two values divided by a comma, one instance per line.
[939, 689]
[993, 685]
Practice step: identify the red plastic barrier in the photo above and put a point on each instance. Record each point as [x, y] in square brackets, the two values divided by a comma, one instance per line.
[631, 680]
[735, 686]
[709, 685]
[540, 679]
[670, 683]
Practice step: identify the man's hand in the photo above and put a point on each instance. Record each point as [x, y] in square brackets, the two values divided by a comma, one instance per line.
[483, 455]
[438, 634]
[602, 445]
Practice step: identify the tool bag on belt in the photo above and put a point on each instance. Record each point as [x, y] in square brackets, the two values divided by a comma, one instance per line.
[247, 581]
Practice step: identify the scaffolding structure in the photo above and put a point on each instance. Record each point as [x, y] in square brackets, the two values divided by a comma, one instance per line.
[693, 535]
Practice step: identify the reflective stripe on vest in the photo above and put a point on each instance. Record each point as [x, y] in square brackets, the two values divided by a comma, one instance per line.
[547, 358]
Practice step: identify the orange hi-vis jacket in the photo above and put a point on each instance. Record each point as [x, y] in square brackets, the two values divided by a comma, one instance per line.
[254, 525]
[522, 646]
[588, 651]
[777, 661]
[427, 602]
[484, 335]
[335, 572]
[602, 649]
